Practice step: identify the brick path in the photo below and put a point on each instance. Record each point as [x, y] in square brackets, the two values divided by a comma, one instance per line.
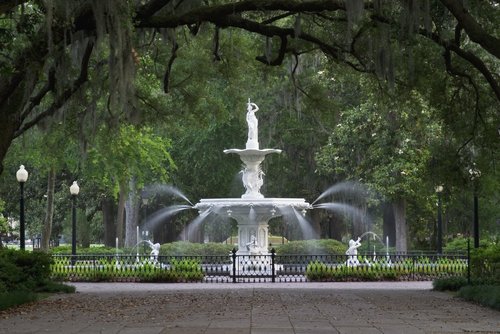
[122, 308]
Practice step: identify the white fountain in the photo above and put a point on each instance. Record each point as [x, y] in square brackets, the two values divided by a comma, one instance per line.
[252, 211]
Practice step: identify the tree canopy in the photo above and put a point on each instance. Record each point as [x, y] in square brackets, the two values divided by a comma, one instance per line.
[390, 93]
[51, 49]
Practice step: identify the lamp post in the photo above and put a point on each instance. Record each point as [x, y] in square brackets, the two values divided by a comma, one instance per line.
[439, 190]
[22, 177]
[74, 190]
[474, 174]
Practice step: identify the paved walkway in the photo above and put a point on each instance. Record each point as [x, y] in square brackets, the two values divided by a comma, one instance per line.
[312, 308]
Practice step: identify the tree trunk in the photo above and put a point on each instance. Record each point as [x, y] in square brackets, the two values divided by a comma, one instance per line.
[120, 216]
[108, 208]
[399, 207]
[49, 213]
[132, 215]
[389, 225]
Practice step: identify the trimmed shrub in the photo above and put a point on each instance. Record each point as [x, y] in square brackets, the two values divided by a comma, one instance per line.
[186, 248]
[14, 298]
[449, 283]
[487, 295]
[20, 270]
[314, 247]
[485, 264]
[66, 249]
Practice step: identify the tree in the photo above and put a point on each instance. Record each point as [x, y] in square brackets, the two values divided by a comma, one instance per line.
[385, 145]
[124, 163]
[39, 38]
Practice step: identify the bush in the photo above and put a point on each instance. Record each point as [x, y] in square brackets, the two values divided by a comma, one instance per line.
[313, 247]
[319, 271]
[186, 248]
[20, 270]
[14, 298]
[23, 275]
[66, 249]
[485, 264]
[487, 295]
[449, 283]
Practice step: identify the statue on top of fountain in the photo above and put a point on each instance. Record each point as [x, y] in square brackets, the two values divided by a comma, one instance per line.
[253, 126]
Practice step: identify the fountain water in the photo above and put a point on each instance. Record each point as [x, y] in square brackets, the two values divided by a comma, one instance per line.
[252, 211]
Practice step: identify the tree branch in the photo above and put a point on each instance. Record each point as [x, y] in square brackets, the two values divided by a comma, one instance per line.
[35, 100]
[150, 8]
[476, 33]
[471, 58]
[66, 95]
[166, 77]
[281, 54]
[218, 13]
[7, 5]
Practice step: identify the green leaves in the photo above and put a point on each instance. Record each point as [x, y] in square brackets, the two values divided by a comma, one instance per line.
[130, 152]
[383, 144]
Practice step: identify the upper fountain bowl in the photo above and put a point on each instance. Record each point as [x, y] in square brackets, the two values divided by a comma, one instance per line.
[263, 208]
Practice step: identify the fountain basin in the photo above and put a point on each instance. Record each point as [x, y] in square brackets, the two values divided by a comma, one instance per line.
[264, 208]
[252, 216]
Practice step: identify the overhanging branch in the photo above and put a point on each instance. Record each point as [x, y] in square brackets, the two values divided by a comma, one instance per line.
[66, 95]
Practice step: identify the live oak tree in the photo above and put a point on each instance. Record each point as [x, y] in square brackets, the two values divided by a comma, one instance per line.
[62, 59]
[52, 49]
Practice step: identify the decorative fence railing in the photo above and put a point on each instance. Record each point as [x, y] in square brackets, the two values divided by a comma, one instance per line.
[256, 268]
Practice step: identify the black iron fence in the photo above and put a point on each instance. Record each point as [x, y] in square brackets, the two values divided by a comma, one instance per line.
[257, 268]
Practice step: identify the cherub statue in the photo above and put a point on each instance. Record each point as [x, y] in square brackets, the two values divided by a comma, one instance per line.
[352, 252]
[155, 250]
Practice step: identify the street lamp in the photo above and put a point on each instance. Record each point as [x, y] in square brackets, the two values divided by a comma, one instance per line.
[439, 190]
[474, 174]
[74, 190]
[22, 177]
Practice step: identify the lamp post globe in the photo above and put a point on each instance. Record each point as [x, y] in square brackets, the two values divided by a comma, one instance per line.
[439, 190]
[22, 177]
[74, 190]
[22, 174]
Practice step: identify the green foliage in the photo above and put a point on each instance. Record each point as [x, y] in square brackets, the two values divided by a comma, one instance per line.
[457, 245]
[487, 295]
[186, 248]
[4, 226]
[402, 269]
[389, 156]
[485, 263]
[56, 287]
[127, 269]
[449, 283]
[319, 271]
[23, 275]
[315, 247]
[130, 152]
[66, 249]
[21, 270]
[14, 298]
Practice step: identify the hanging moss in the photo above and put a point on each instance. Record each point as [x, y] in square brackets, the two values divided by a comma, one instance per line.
[354, 12]
[113, 25]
